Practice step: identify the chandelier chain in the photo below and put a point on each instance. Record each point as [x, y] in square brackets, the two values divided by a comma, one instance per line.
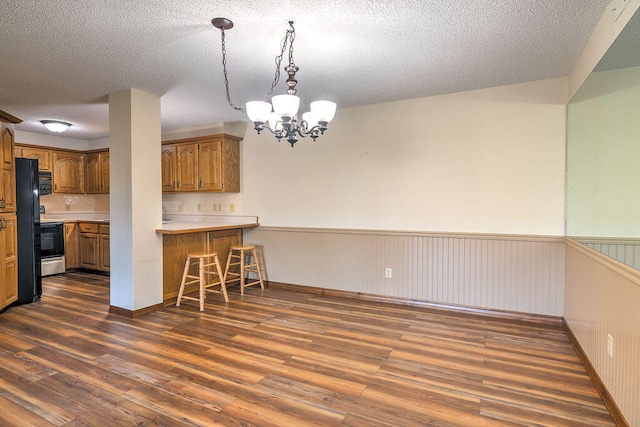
[288, 38]
[226, 77]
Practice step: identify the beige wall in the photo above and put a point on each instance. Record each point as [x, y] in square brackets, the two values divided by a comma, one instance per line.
[603, 297]
[490, 160]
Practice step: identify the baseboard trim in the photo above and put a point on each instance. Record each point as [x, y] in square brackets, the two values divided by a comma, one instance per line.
[606, 397]
[515, 316]
[132, 314]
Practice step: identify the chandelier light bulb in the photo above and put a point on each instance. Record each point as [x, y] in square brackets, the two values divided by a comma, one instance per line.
[286, 105]
[258, 111]
[323, 110]
[275, 122]
[311, 120]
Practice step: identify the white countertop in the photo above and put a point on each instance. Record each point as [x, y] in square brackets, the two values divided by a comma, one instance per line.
[180, 224]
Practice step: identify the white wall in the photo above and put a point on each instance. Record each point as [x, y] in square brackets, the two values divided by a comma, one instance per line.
[488, 161]
[51, 141]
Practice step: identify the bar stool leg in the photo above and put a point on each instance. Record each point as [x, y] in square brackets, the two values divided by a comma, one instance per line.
[242, 255]
[201, 271]
[257, 264]
[184, 279]
[222, 280]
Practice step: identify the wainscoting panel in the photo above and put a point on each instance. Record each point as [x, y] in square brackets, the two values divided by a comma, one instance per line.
[603, 297]
[626, 251]
[501, 272]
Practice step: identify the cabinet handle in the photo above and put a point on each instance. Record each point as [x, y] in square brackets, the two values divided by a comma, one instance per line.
[55, 187]
[4, 204]
[4, 224]
[200, 185]
[179, 184]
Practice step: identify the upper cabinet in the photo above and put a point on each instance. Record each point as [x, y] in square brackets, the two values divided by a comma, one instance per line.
[96, 172]
[68, 172]
[7, 170]
[169, 166]
[208, 163]
[187, 167]
[41, 154]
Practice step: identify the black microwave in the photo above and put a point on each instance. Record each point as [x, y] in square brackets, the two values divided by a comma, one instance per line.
[44, 183]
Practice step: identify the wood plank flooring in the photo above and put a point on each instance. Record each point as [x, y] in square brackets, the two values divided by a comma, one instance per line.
[281, 358]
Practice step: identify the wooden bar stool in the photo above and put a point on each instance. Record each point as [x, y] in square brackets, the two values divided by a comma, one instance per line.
[239, 255]
[205, 262]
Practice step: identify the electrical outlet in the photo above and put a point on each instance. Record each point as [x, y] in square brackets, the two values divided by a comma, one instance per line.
[609, 345]
[232, 207]
[388, 273]
[199, 207]
[219, 207]
[180, 207]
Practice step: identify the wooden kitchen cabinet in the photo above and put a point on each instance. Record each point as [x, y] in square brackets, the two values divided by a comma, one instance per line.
[97, 173]
[176, 247]
[8, 219]
[89, 249]
[94, 246]
[169, 169]
[8, 259]
[68, 172]
[42, 155]
[187, 167]
[71, 246]
[7, 170]
[105, 248]
[208, 163]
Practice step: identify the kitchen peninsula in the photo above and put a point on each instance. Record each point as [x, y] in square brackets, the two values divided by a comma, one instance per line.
[208, 234]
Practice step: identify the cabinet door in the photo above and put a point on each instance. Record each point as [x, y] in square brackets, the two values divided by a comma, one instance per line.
[89, 252]
[187, 155]
[68, 172]
[8, 260]
[105, 254]
[92, 173]
[104, 173]
[7, 171]
[169, 166]
[71, 255]
[210, 166]
[43, 157]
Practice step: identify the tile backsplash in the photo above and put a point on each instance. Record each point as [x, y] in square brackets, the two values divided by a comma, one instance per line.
[75, 203]
[201, 204]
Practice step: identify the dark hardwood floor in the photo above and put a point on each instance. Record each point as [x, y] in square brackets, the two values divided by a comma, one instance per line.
[278, 357]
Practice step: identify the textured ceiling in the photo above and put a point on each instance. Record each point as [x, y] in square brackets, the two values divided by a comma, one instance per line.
[59, 59]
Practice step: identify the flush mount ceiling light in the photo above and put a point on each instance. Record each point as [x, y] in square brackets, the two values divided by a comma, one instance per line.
[55, 125]
[281, 118]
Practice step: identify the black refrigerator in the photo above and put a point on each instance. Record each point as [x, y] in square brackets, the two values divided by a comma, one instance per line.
[28, 210]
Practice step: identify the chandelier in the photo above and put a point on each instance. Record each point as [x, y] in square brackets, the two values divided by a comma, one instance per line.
[280, 117]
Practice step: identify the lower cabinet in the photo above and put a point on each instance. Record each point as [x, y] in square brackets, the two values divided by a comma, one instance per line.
[9, 260]
[175, 248]
[94, 246]
[71, 253]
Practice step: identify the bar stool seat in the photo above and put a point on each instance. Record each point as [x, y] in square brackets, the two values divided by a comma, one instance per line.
[242, 255]
[205, 271]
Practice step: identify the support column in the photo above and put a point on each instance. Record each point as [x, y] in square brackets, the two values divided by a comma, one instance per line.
[135, 201]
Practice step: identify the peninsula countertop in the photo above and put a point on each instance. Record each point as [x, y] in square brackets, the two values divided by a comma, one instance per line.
[197, 224]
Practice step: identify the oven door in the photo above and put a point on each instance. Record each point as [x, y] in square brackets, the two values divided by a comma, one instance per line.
[51, 239]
